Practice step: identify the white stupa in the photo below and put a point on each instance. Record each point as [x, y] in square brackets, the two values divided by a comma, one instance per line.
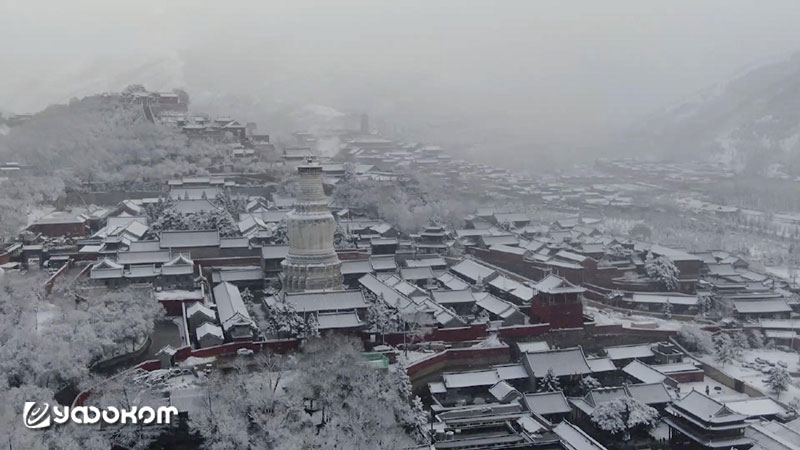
[312, 263]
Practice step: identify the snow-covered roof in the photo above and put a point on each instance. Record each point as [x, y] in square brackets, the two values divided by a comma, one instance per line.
[234, 274]
[230, 306]
[599, 365]
[570, 361]
[338, 320]
[530, 347]
[179, 265]
[274, 251]
[326, 300]
[780, 324]
[143, 271]
[144, 246]
[757, 407]
[194, 206]
[234, 242]
[211, 329]
[503, 239]
[199, 309]
[761, 306]
[643, 372]
[485, 377]
[472, 270]
[512, 287]
[553, 284]
[417, 273]
[511, 217]
[570, 256]
[178, 294]
[775, 435]
[502, 391]
[382, 290]
[383, 262]
[356, 267]
[629, 352]
[106, 269]
[706, 408]
[452, 282]
[673, 254]
[649, 393]
[189, 239]
[547, 403]
[428, 262]
[156, 257]
[453, 297]
[494, 305]
[678, 367]
[573, 438]
[673, 299]
[508, 249]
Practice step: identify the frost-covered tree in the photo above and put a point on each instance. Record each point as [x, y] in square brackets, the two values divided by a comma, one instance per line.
[42, 354]
[588, 383]
[341, 239]
[330, 400]
[624, 416]
[104, 138]
[549, 382]
[280, 235]
[706, 302]
[283, 321]
[383, 318]
[740, 344]
[724, 349]
[755, 339]
[695, 340]
[779, 380]
[667, 309]
[169, 218]
[663, 270]
[233, 205]
[641, 231]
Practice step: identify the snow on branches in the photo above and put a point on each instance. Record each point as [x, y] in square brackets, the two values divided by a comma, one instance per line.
[549, 382]
[779, 380]
[624, 415]
[663, 270]
[283, 321]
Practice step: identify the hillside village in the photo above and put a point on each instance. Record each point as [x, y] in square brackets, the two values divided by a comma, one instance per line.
[619, 302]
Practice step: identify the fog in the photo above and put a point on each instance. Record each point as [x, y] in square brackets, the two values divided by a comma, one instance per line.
[524, 76]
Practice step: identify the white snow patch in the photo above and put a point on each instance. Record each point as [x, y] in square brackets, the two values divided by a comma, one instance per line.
[195, 361]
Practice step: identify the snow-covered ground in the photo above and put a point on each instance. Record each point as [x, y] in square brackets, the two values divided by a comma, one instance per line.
[755, 377]
[716, 390]
[45, 314]
[195, 361]
[490, 342]
[783, 272]
[413, 356]
[611, 317]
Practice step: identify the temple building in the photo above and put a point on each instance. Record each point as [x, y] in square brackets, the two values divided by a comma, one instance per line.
[311, 263]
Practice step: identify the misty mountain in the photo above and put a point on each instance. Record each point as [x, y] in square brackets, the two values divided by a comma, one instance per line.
[751, 122]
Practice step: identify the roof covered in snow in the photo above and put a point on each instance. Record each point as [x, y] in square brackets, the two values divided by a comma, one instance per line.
[570, 361]
[547, 403]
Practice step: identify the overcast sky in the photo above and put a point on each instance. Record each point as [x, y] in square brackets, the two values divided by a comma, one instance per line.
[551, 70]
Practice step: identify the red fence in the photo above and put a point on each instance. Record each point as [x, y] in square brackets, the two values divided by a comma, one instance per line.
[283, 346]
[460, 334]
[459, 356]
[48, 285]
[524, 331]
